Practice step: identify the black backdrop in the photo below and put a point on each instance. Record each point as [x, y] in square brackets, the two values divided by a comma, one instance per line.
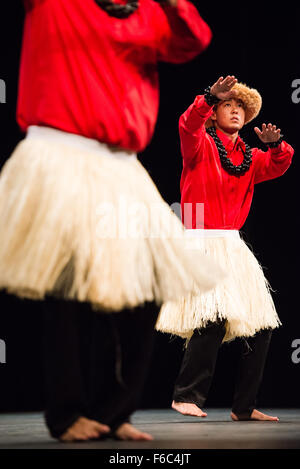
[260, 45]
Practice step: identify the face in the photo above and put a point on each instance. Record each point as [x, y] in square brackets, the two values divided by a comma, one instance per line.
[229, 115]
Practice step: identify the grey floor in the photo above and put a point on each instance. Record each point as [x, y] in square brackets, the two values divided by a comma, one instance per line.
[170, 430]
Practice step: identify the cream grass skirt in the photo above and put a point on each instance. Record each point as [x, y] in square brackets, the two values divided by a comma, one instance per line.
[243, 299]
[81, 220]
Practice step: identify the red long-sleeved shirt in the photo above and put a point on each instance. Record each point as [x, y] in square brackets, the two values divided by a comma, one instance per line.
[85, 72]
[226, 198]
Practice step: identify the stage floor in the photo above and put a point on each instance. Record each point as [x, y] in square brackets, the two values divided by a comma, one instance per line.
[169, 429]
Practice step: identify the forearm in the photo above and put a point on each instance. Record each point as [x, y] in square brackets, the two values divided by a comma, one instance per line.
[196, 115]
[273, 163]
[185, 33]
[192, 128]
[281, 157]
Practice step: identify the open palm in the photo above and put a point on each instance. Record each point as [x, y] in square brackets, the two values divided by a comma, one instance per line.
[268, 134]
[222, 89]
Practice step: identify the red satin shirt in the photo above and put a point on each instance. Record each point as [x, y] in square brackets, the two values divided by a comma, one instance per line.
[225, 198]
[85, 72]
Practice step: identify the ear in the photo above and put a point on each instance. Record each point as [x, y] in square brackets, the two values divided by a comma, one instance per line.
[213, 116]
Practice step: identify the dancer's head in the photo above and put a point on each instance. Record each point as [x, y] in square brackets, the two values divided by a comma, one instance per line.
[231, 115]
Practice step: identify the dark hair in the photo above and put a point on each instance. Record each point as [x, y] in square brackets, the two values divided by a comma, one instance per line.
[117, 10]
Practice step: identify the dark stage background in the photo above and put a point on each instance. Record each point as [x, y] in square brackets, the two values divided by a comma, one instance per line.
[260, 46]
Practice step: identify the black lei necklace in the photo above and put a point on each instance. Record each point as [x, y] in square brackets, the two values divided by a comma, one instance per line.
[117, 10]
[238, 170]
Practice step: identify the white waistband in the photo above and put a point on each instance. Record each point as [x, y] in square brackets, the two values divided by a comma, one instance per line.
[204, 233]
[78, 141]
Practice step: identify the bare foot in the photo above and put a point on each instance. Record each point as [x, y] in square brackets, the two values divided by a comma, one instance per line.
[84, 429]
[256, 415]
[186, 408]
[126, 431]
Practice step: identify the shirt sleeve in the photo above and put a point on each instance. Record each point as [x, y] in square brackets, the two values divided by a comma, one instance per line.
[272, 163]
[181, 32]
[192, 129]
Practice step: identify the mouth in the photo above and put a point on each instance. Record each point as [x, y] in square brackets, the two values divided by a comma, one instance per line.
[235, 119]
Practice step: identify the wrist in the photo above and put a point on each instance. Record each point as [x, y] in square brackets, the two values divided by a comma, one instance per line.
[169, 3]
[211, 99]
[274, 144]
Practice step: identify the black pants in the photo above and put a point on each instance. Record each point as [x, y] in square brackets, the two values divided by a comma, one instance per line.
[198, 367]
[95, 363]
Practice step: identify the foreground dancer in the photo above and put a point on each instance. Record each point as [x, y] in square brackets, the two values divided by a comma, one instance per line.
[77, 208]
[220, 170]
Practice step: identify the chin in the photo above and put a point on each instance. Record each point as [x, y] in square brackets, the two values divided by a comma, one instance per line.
[234, 127]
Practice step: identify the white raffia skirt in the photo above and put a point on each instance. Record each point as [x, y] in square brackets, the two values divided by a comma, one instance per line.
[82, 220]
[243, 299]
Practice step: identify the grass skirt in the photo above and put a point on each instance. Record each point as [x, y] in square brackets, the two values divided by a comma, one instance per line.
[80, 220]
[243, 299]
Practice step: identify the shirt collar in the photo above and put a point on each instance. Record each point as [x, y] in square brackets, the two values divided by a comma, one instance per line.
[228, 143]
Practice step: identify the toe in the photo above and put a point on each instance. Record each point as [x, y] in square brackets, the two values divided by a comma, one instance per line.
[101, 428]
[147, 436]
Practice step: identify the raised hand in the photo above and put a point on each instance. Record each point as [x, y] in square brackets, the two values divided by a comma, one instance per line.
[268, 134]
[222, 89]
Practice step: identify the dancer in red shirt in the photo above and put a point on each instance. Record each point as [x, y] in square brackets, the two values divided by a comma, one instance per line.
[217, 184]
[82, 223]
[86, 71]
